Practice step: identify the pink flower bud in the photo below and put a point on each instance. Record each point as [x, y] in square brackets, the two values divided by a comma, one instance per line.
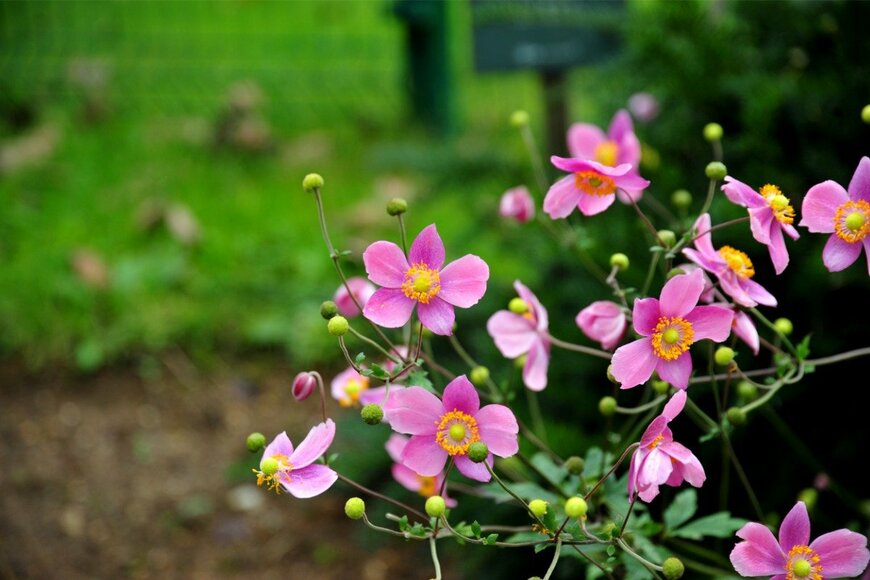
[362, 289]
[603, 321]
[643, 106]
[517, 203]
[303, 385]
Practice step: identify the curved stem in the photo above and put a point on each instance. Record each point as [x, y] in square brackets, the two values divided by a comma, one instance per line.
[647, 222]
[709, 201]
[578, 348]
[555, 560]
[384, 351]
[593, 562]
[622, 457]
[434, 551]
[514, 495]
[378, 528]
[402, 234]
[647, 564]
[373, 493]
[636, 410]
[319, 380]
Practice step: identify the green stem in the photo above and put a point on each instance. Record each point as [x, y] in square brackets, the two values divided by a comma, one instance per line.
[402, 234]
[578, 348]
[593, 562]
[366, 339]
[535, 156]
[382, 497]
[709, 201]
[755, 312]
[537, 417]
[378, 528]
[514, 495]
[649, 275]
[647, 564]
[636, 410]
[555, 560]
[622, 457]
[434, 551]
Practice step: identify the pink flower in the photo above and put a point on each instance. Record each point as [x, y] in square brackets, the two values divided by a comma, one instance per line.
[770, 214]
[660, 460]
[517, 203]
[591, 187]
[304, 384]
[603, 321]
[423, 281]
[447, 428]
[348, 386]
[839, 554]
[524, 334]
[362, 289]
[669, 326]
[425, 485]
[644, 106]
[732, 267]
[297, 473]
[830, 209]
[745, 330]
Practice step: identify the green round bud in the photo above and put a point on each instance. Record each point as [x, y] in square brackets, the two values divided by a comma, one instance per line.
[607, 406]
[479, 375]
[673, 568]
[435, 506]
[747, 391]
[372, 414]
[576, 507]
[783, 326]
[269, 466]
[675, 272]
[535, 578]
[575, 465]
[328, 309]
[713, 132]
[478, 451]
[809, 497]
[667, 237]
[520, 361]
[519, 119]
[681, 199]
[736, 416]
[255, 442]
[397, 206]
[865, 114]
[311, 182]
[620, 261]
[338, 326]
[723, 355]
[355, 508]
[716, 170]
[610, 376]
[518, 306]
[661, 387]
[538, 507]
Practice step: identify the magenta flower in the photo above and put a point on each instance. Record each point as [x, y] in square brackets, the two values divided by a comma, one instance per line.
[303, 385]
[830, 209]
[659, 460]
[669, 326]
[361, 288]
[603, 321]
[447, 428]
[348, 386]
[524, 334]
[425, 485]
[745, 330]
[436, 290]
[732, 267]
[591, 187]
[297, 473]
[517, 204]
[839, 554]
[770, 214]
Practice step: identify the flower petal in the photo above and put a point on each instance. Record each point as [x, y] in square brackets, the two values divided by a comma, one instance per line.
[562, 198]
[535, 369]
[395, 445]
[713, 322]
[691, 469]
[471, 470]
[385, 264]
[463, 281]
[676, 372]
[745, 330]
[498, 429]
[842, 553]
[633, 363]
[675, 405]
[513, 334]
[795, 528]
[760, 554]
[460, 395]
[538, 310]
[415, 411]
[389, 307]
[820, 206]
[777, 250]
[631, 182]
[760, 220]
[583, 139]
[427, 248]
[645, 315]
[703, 238]
[314, 445]
[839, 254]
[424, 455]
[741, 194]
[658, 427]
[859, 186]
[621, 131]
[654, 472]
[681, 293]
[438, 316]
[309, 481]
[409, 479]
[594, 204]
[758, 293]
[280, 445]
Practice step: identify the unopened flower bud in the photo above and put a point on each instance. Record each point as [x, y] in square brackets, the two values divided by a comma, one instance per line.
[681, 199]
[783, 326]
[479, 375]
[713, 132]
[747, 391]
[736, 416]
[397, 206]
[303, 385]
[723, 356]
[478, 451]
[269, 466]
[311, 182]
[673, 568]
[716, 170]
[865, 114]
[575, 465]
[538, 507]
[667, 237]
[337, 326]
[355, 508]
[518, 306]
[255, 442]
[372, 414]
[661, 387]
[576, 507]
[328, 309]
[809, 497]
[620, 261]
[610, 376]
[519, 119]
[607, 406]
[435, 506]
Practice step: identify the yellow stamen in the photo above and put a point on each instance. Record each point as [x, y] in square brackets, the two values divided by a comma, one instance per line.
[606, 153]
[421, 283]
[852, 221]
[779, 204]
[803, 562]
[273, 481]
[656, 442]
[671, 337]
[738, 261]
[427, 486]
[456, 432]
[594, 183]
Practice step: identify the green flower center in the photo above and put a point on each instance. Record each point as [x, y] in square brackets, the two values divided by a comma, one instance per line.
[457, 432]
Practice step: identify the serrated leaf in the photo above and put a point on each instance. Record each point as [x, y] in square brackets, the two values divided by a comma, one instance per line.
[555, 474]
[417, 530]
[593, 463]
[718, 525]
[358, 359]
[803, 348]
[682, 509]
[379, 372]
[403, 523]
[611, 550]
[419, 378]
[490, 539]
[475, 529]
[541, 547]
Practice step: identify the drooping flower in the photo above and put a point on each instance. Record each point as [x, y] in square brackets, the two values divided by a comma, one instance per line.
[517, 204]
[348, 387]
[436, 290]
[659, 460]
[362, 290]
[524, 334]
[669, 326]
[732, 267]
[295, 470]
[603, 321]
[770, 215]
[425, 485]
[838, 554]
[830, 209]
[303, 385]
[447, 428]
[591, 187]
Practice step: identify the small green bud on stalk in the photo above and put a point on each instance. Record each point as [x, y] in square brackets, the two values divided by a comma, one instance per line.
[479, 375]
[538, 507]
[747, 391]
[681, 199]
[255, 442]
[607, 406]
[661, 387]
[619, 260]
[783, 326]
[610, 376]
[667, 237]
[723, 356]
[576, 507]
[435, 506]
[520, 361]
[675, 272]
[716, 170]
[575, 465]
[736, 416]
[478, 452]
[372, 414]
[713, 132]
[519, 119]
[311, 182]
[338, 326]
[865, 114]
[673, 568]
[397, 206]
[355, 508]
[328, 310]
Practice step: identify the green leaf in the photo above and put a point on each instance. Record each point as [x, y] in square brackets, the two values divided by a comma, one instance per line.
[526, 490]
[682, 509]
[490, 539]
[417, 530]
[593, 464]
[803, 348]
[555, 474]
[718, 525]
[419, 378]
[541, 547]
[475, 528]
[403, 524]
[378, 372]
[358, 359]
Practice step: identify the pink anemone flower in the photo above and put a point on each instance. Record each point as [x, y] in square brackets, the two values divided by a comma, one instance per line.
[838, 554]
[517, 204]
[447, 428]
[425, 485]
[830, 209]
[524, 334]
[669, 326]
[591, 187]
[603, 321]
[297, 473]
[422, 279]
[659, 460]
[620, 145]
[362, 290]
[732, 267]
[770, 214]
[348, 387]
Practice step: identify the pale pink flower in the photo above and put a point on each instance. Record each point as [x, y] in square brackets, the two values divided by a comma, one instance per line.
[838, 554]
[422, 280]
[425, 485]
[517, 204]
[591, 187]
[297, 473]
[348, 387]
[362, 289]
[516, 335]
[644, 106]
[603, 321]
